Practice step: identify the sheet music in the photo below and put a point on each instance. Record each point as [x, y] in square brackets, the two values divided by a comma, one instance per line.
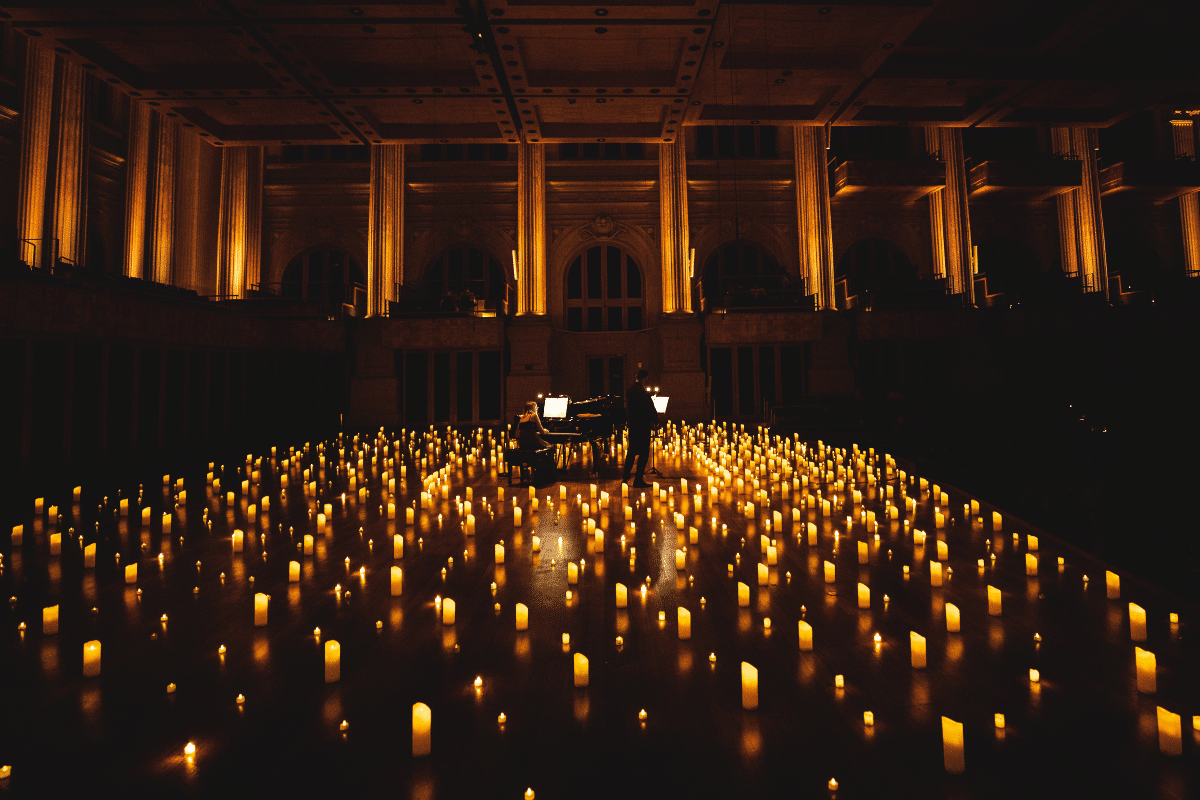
[660, 403]
[555, 408]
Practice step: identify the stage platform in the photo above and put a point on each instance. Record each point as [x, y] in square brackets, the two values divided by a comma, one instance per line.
[1081, 730]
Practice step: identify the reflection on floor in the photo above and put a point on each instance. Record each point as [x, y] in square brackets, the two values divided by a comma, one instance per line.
[763, 571]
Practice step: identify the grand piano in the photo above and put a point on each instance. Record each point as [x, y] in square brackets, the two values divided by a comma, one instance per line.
[595, 420]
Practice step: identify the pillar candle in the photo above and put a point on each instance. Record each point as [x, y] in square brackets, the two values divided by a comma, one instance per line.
[470, 524]
[1031, 564]
[1170, 733]
[422, 723]
[743, 595]
[238, 540]
[261, 602]
[939, 519]
[599, 541]
[862, 553]
[680, 560]
[996, 520]
[693, 536]
[124, 505]
[293, 572]
[397, 546]
[994, 601]
[499, 554]
[533, 504]
[91, 658]
[516, 516]
[812, 534]
[572, 573]
[55, 544]
[829, 572]
[917, 644]
[308, 544]
[952, 746]
[685, 623]
[131, 573]
[522, 617]
[320, 523]
[166, 523]
[581, 670]
[806, 635]
[974, 506]
[864, 596]
[409, 513]
[943, 551]
[622, 596]
[145, 515]
[953, 619]
[89, 556]
[397, 581]
[749, 687]
[447, 611]
[1033, 542]
[1113, 585]
[935, 573]
[333, 661]
[1147, 671]
[18, 535]
[50, 620]
[763, 575]
[772, 555]
[1137, 623]
[391, 512]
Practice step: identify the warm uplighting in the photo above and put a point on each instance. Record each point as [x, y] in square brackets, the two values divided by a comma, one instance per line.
[189, 749]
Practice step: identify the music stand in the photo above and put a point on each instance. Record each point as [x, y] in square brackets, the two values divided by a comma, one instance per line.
[660, 405]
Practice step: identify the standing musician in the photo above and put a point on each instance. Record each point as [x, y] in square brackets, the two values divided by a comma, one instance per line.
[641, 417]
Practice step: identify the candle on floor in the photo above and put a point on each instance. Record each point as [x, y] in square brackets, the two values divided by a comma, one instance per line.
[237, 541]
[994, 601]
[1170, 733]
[943, 551]
[397, 546]
[1031, 564]
[522, 617]
[749, 687]
[1112, 583]
[743, 595]
[422, 723]
[261, 601]
[50, 620]
[622, 596]
[91, 658]
[1137, 623]
[409, 513]
[953, 620]
[829, 572]
[308, 544]
[685, 623]
[89, 555]
[806, 635]
[864, 596]
[572, 573]
[131, 573]
[952, 746]
[935, 573]
[55, 544]
[862, 553]
[581, 670]
[996, 520]
[763, 575]
[917, 645]
[391, 510]
[1147, 671]
[397, 581]
[447, 611]
[333, 661]
[680, 560]
[516, 516]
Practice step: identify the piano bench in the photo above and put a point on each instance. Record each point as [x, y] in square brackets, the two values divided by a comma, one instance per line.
[528, 461]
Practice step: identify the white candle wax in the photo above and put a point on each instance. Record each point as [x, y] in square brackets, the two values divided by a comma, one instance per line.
[622, 596]
[522, 617]
[1147, 671]
[1137, 623]
[994, 601]
[91, 658]
[749, 687]
[499, 554]
[743, 595]
[581, 670]
[1112, 583]
[1170, 733]
[685, 623]
[50, 620]
[953, 619]
[261, 601]
[864, 596]
[237, 541]
[422, 723]
[447, 611]
[917, 645]
[829, 572]
[130, 573]
[333, 661]
[397, 579]
[863, 554]
[1031, 565]
[806, 635]
[935, 573]
[952, 746]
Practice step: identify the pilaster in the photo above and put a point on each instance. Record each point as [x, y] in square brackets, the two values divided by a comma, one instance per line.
[1081, 222]
[239, 247]
[937, 209]
[137, 169]
[70, 182]
[1183, 132]
[35, 154]
[531, 229]
[673, 227]
[162, 232]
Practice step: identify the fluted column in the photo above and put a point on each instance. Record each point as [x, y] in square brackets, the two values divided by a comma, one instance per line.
[1080, 220]
[814, 222]
[239, 249]
[162, 231]
[70, 181]
[385, 253]
[673, 227]
[937, 209]
[35, 153]
[137, 171]
[531, 229]
[960, 272]
[1183, 131]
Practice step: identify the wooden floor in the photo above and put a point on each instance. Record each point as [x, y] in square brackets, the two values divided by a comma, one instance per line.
[1082, 730]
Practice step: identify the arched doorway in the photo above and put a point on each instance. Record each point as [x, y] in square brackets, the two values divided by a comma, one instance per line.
[463, 278]
[326, 274]
[604, 291]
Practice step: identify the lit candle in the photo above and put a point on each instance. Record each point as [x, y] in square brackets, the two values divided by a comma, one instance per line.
[131, 573]
[996, 520]
[447, 611]
[763, 575]
[943, 551]
[685, 623]
[749, 687]
[581, 670]
[772, 555]
[952, 618]
[50, 620]
[1032, 541]
[522, 617]
[864, 596]
[1031, 564]
[308, 544]
[422, 722]
[680, 560]
[1137, 623]
[572, 573]
[806, 635]
[517, 516]
[499, 554]
[391, 511]
[1112, 585]
[1147, 671]
[409, 513]
[952, 746]
[1170, 733]
[320, 523]
[829, 572]
[470, 524]
[862, 553]
[917, 645]
[333, 661]
[237, 541]
[1035, 676]
[91, 658]
[935, 573]
[55, 544]
[994, 601]
[397, 581]
[622, 596]
[743, 595]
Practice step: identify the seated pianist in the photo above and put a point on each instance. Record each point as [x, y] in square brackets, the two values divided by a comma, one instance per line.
[529, 436]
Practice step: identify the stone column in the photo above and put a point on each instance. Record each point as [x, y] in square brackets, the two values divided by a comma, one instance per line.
[187, 210]
[960, 272]
[239, 246]
[937, 209]
[385, 254]
[162, 231]
[673, 227]
[1081, 223]
[35, 154]
[1189, 207]
[531, 229]
[814, 223]
[137, 164]
[70, 181]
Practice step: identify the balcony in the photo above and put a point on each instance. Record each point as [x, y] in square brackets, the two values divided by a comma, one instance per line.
[415, 302]
[760, 293]
[1155, 180]
[1024, 180]
[888, 179]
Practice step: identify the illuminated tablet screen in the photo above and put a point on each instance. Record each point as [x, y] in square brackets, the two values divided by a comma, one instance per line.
[555, 407]
[660, 403]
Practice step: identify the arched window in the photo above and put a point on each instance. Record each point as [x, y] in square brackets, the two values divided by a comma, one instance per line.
[742, 271]
[328, 274]
[465, 268]
[604, 291]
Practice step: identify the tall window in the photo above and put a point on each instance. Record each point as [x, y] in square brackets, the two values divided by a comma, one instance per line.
[326, 273]
[735, 141]
[604, 291]
[465, 267]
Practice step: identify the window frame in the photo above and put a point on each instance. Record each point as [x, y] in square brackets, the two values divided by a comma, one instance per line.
[603, 303]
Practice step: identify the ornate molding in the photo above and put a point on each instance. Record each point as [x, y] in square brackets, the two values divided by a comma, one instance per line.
[603, 227]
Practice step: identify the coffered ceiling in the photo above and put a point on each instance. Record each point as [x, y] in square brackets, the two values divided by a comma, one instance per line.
[266, 72]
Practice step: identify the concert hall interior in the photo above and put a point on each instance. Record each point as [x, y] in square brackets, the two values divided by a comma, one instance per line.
[911, 281]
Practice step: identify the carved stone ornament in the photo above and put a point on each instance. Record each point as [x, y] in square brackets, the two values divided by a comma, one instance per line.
[603, 227]
[462, 228]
